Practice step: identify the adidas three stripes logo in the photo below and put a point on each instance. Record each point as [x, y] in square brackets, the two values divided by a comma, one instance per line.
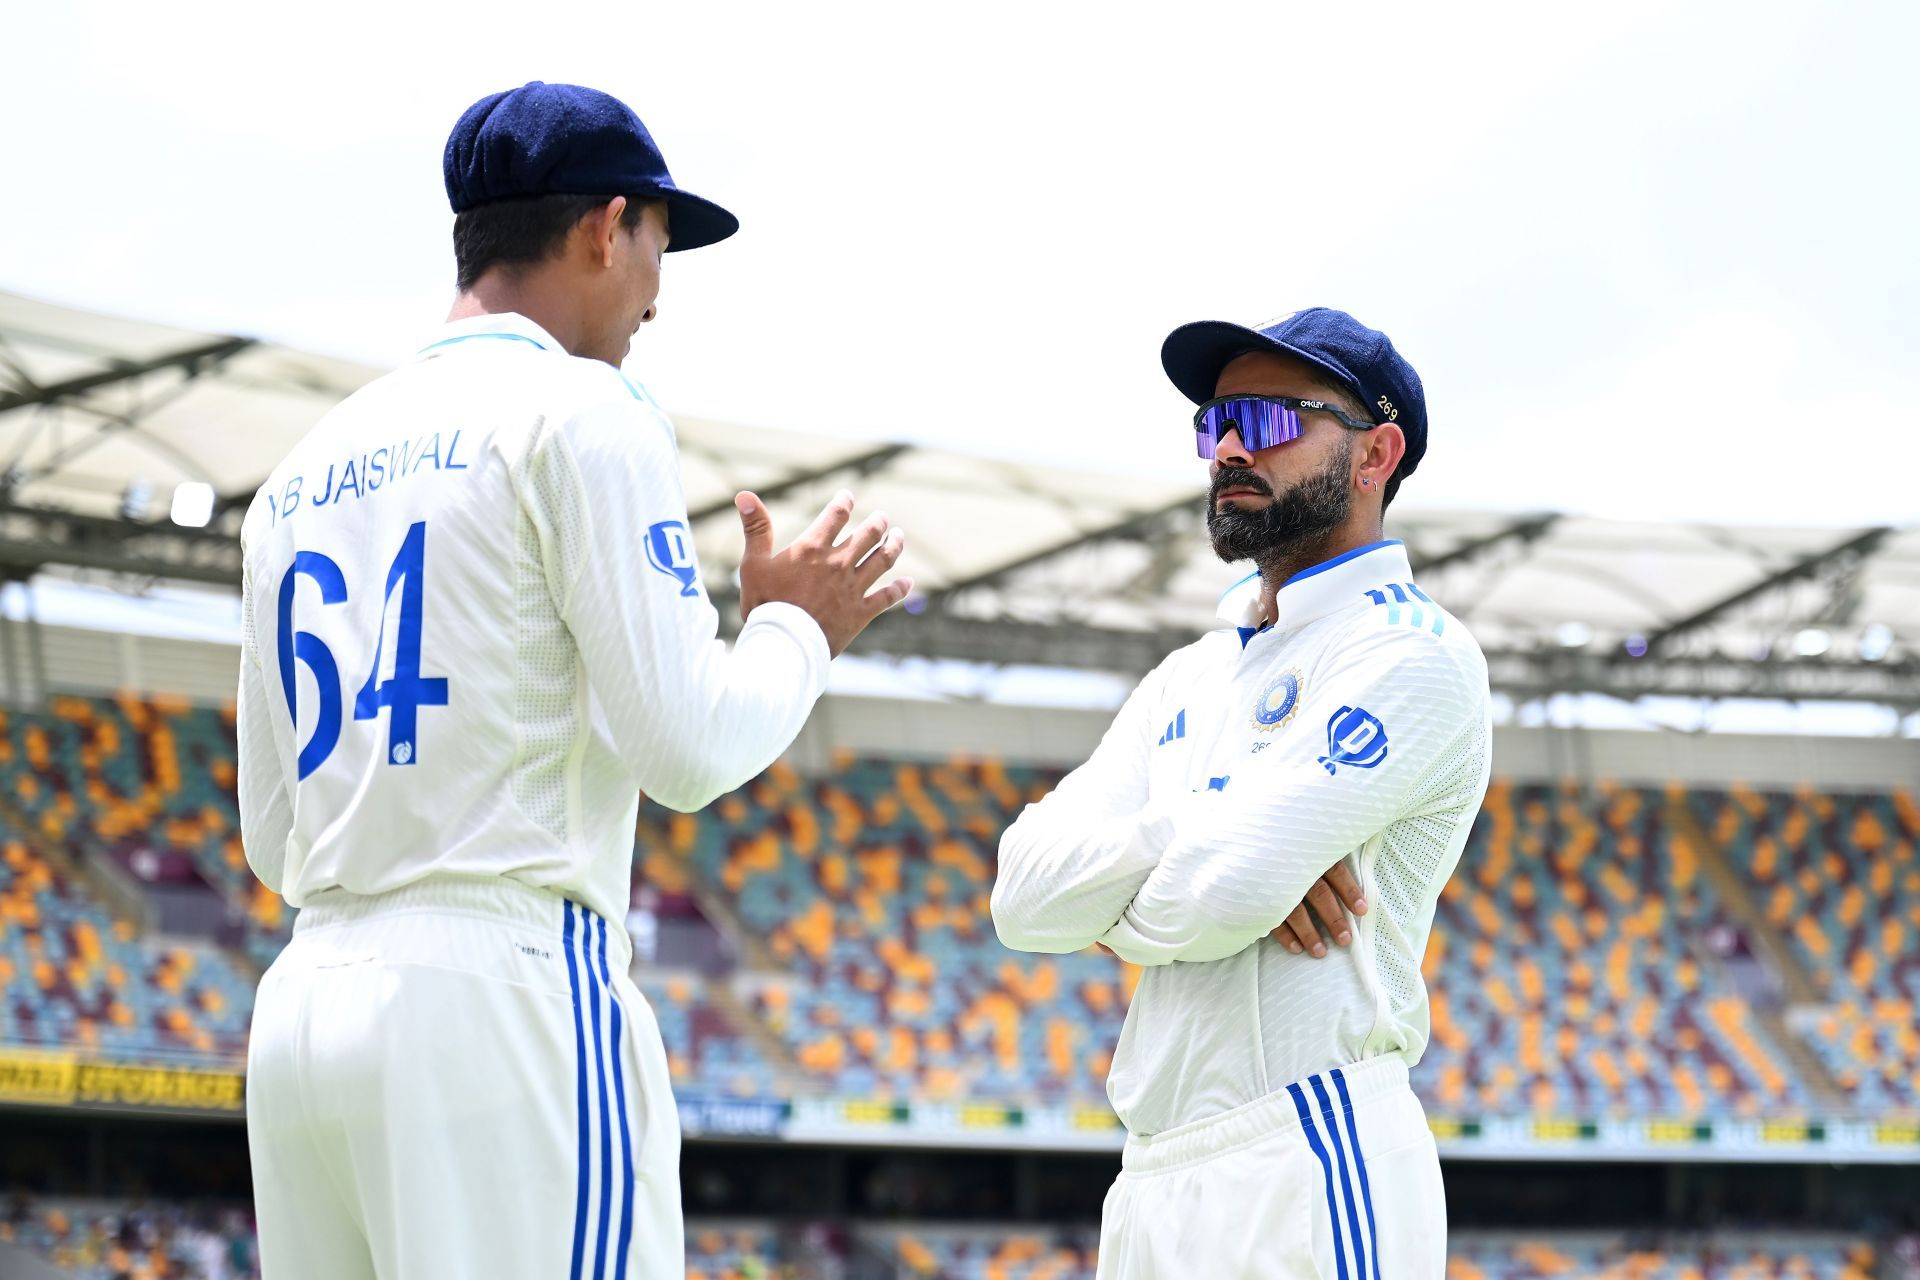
[1408, 604]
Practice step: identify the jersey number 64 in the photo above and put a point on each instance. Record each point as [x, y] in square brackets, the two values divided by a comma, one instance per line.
[403, 695]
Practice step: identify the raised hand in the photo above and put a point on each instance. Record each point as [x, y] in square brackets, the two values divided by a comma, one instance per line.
[832, 579]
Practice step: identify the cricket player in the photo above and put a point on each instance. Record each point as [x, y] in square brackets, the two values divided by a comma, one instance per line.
[473, 630]
[1340, 720]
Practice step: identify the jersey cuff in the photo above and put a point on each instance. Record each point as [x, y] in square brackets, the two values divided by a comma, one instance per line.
[799, 626]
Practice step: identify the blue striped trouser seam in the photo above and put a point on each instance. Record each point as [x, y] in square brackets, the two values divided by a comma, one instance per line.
[606, 1120]
[1326, 1174]
[1360, 1161]
[620, 1105]
[1346, 1181]
[580, 1098]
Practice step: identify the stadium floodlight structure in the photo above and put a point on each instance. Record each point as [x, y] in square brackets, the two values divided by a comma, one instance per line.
[1015, 563]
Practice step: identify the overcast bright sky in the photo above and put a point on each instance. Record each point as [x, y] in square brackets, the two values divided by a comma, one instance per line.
[1651, 259]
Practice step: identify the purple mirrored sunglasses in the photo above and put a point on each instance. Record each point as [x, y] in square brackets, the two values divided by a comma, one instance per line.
[1262, 421]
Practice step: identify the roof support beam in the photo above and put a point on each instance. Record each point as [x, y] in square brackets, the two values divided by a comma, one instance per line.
[17, 372]
[31, 538]
[1525, 530]
[859, 464]
[1133, 526]
[1542, 673]
[191, 360]
[1521, 674]
[1859, 544]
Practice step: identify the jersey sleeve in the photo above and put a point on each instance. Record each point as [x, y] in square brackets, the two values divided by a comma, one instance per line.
[1072, 861]
[690, 718]
[266, 807]
[1388, 714]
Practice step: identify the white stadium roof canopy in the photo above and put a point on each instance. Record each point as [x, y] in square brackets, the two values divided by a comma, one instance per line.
[102, 419]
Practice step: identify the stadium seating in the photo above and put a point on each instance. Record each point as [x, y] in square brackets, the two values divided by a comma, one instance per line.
[1837, 878]
[1011, 1254]
[102, 1240]
[872, 884]
[1561, 980]
[1613, 1257]
[73, 977]
[96, 1240]
[120, 774]
[704, 1052]
[1563, 964]
[732, 1251]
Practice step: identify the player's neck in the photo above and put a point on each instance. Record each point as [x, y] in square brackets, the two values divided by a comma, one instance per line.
[501, 293]
[1284, 563]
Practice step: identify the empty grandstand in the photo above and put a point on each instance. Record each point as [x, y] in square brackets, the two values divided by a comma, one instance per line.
[1675, 975]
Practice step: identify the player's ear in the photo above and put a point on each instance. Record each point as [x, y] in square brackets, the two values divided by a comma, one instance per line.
[1382, 449]
[603, 226]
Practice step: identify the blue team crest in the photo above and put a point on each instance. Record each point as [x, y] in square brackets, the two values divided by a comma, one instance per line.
[1278, 703]
[670, 550]
[1356, 738]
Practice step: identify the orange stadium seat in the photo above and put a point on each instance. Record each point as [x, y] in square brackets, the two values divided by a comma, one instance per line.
[1561, 974]
[1562, 963]
[65, 966]
[96, 1240]
[1837, 875]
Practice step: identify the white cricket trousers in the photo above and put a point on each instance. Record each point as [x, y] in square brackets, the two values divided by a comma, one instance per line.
[1333, 1178]
[458, 1081]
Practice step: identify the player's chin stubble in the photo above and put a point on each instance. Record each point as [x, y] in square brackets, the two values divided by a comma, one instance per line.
[1310, 510]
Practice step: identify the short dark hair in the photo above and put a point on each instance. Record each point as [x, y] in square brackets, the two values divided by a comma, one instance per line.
[528, 229]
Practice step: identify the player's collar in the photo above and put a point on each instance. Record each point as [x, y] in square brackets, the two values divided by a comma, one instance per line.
[505, 326]
[1318, 591]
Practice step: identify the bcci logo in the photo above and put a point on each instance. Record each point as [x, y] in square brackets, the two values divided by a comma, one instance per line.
[670, 550]
[1354, 738]
[1277, 705]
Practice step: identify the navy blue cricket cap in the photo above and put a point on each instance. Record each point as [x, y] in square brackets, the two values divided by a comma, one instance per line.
[562, 139]
[1360, 359]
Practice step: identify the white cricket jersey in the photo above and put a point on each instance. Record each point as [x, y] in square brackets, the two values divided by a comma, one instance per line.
[1357, 726]
[474, 630]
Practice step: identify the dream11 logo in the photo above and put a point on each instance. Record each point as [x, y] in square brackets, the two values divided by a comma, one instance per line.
[670, 550]
[1356, 738]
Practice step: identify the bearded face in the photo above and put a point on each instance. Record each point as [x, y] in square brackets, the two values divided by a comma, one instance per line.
[1310, 510]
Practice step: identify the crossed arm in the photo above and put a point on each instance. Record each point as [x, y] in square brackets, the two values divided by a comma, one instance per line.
[1208, 876]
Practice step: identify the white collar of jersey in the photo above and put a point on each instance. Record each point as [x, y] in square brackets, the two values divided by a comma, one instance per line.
[1317, 592]
[506, 326]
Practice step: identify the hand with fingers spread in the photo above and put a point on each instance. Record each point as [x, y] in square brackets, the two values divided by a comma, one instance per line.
[832, 579]
[1331, 897]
